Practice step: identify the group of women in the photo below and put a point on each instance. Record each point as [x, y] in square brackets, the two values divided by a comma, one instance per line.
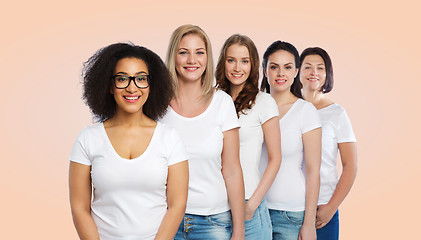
[175, 157]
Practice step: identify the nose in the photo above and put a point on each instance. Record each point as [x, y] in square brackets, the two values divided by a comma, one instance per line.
[314, 72]
[132, 87]
[237, 66]
[191, 59]
[280, 72]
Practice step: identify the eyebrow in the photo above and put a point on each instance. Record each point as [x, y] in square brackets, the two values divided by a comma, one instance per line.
[241, 58]
[312, 64]
[138, 73]
[195, 49]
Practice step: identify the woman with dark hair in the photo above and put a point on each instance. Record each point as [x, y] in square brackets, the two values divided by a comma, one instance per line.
[292, 198]
[316, 77]
[237, 73]
[135, 167]
[208, 125]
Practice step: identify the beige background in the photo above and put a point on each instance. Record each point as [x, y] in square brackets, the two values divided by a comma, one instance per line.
[376, 54]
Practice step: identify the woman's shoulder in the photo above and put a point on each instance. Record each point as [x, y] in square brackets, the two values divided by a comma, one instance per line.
[221, 95]
[303, 104]
[262, 96]
[91, 130]
[333, 108]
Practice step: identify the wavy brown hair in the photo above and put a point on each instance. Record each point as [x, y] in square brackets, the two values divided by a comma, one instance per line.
[247, 95]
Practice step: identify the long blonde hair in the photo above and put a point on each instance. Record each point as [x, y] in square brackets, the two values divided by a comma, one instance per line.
[207, 77]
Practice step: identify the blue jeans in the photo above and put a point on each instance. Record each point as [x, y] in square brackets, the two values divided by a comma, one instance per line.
[286, 225]
[212, 227]
[260, 226]
[331, 230]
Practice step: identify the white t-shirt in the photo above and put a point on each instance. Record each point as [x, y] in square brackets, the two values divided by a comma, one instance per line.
[129, 200]
[336, 128]
[203, 138]
[288, 190]
[251, 139]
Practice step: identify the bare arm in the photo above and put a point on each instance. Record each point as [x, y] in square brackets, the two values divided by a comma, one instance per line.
[312, 143]
[80, 191]
[273, 143]
[348, 153]
[233, 176]
[177, 188]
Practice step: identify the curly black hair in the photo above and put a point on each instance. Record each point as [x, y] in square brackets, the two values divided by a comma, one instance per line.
[97, 81]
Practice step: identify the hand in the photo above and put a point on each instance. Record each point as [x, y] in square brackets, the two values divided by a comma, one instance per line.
[249, 211]
[307, 233]
[324, 214]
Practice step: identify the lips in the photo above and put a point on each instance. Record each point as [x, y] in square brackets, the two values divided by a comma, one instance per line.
[280, 81]
[313, 79]
[131, 98]
[236, 75]
[191, 69]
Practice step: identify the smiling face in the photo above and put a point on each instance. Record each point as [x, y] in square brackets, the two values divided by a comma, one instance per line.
[313, 73]
[130, 99]
[191, 58]
[237, 64]
[280, 70]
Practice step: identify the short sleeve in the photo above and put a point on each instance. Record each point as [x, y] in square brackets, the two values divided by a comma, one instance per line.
[267, 108]
[344, 130]
[79, 152]
[228, 113]
[177, 151]
[310, 118]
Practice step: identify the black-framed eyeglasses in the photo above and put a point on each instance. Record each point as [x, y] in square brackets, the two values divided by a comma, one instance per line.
[123, 81]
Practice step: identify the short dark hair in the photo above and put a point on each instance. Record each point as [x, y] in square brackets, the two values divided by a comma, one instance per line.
[286, 46]
[247, 95]
[328, 85]
[97, 81]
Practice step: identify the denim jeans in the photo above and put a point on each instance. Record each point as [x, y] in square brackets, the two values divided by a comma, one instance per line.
[331, 230]
[260, 226]
[286, 225]
[212, 227]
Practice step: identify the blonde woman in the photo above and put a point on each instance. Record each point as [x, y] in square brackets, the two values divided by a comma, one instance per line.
[207, 122]
[237, 74]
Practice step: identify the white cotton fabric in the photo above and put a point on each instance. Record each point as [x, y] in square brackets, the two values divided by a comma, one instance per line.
[288, 190]
[203, 138]
[251, 139]
[336, 128]
[129, 195]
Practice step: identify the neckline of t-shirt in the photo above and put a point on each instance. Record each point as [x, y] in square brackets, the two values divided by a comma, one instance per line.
[291, 108]
[200, 115]
[328, 106]
[116, 155]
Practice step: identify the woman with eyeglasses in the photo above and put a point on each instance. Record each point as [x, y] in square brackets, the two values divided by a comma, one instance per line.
[292, 198]
[134, 165]
[207, 122]
[237, 74]
[316, 77]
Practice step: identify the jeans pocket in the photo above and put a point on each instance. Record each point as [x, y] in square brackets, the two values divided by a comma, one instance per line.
[295, 217]
[221, 219]
[255, 220]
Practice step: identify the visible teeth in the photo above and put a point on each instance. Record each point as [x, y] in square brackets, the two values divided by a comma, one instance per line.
[132, 98]
[192, 68]
[237, 75]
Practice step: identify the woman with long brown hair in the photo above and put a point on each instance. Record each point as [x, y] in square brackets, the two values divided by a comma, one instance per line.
[237, 74]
